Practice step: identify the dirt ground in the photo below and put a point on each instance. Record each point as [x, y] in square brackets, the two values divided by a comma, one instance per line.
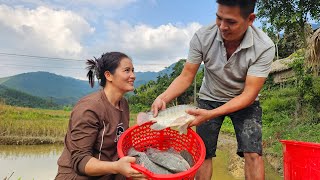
[236, 163]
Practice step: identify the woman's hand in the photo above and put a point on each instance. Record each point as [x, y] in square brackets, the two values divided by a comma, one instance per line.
[124, 168]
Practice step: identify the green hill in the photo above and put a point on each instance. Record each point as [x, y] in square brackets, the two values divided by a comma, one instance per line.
[17, 98]
[64, 90]
[59, 89]
[145, 77]
[2, 80]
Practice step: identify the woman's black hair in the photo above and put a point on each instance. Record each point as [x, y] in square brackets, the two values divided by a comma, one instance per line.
[107, 62]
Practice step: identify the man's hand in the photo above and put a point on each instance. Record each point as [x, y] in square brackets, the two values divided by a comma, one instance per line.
[201, 116]
[158, 104]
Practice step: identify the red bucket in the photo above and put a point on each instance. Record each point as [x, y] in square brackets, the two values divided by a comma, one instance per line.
[143, 137]
[301, 160]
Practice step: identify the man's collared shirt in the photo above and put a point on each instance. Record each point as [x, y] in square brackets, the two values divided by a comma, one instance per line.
[224, 78]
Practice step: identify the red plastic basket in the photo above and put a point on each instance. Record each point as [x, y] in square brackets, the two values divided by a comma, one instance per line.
[143, 137]
[301, 160]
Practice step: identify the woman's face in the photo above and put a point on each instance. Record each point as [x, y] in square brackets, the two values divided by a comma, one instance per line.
[123, 77]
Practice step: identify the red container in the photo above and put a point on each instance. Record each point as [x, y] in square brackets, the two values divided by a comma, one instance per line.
[301, 160]
[142, 137]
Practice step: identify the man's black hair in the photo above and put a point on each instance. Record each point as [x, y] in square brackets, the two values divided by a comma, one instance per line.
[246, 6]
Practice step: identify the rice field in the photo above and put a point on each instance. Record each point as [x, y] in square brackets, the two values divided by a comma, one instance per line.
[19, 125]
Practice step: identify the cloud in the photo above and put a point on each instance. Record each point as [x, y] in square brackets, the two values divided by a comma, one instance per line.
[111, 4]
[36, 28]
[157, 46]
[43, 30]
[91, 10]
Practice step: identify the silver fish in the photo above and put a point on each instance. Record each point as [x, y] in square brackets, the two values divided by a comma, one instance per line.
[143, 160]
[185, 154]
[188, 157]
[169, 159]
[175, 116]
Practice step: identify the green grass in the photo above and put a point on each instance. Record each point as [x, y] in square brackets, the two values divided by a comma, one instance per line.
[227, 126]
[132, 120]
[279, 122]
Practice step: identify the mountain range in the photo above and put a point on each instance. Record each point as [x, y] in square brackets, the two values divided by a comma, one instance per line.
[57, 89]
[18, 98]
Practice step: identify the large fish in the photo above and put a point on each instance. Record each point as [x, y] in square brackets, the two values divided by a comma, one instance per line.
[170, 159]
[175, 116]
[143, 160]
[188, 157]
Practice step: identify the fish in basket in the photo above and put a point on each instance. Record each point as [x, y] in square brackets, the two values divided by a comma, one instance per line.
[162, 154]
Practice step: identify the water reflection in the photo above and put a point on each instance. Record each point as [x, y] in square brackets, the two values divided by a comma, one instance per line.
[29, 162]
[220, 169]
[39, 162]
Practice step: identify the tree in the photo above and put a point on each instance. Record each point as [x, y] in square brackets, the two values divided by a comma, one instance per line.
[307, 104]
[145, 94]
[289, 43]
[313, 53]
[285, 44]
[290, 15]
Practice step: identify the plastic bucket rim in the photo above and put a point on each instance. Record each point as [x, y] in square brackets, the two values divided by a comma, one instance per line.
[300, 143]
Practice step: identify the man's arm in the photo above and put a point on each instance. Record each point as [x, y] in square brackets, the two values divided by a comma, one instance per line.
[176, 88]
[251, 90]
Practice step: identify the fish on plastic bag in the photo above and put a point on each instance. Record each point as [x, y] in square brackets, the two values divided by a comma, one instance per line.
[175, 116]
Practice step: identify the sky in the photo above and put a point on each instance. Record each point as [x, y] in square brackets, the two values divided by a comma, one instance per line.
[58, 36]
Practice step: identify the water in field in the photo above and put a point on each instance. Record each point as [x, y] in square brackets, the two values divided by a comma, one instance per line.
[39, 162]
[220, 169]
[36, 162]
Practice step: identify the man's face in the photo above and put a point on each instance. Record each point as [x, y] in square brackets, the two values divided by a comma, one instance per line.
[231, 24]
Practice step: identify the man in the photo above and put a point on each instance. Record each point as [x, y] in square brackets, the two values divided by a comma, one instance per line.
[237, 59]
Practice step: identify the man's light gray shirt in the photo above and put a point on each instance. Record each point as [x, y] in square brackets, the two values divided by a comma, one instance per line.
[224, 78]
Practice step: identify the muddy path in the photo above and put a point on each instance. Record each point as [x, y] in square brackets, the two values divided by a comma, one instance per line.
[228, 144]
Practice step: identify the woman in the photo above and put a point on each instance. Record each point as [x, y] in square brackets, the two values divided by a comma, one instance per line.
[96, 123]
